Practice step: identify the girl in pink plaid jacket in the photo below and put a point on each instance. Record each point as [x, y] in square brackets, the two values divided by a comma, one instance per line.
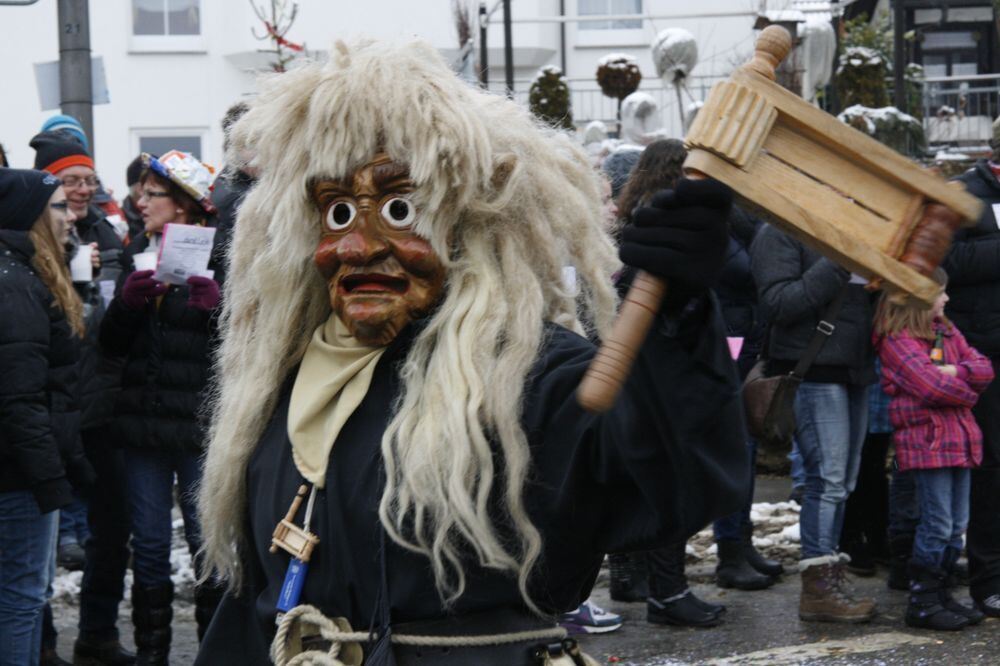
[933, 378]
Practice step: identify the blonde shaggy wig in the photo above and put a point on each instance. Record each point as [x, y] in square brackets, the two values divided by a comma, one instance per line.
[505, 202]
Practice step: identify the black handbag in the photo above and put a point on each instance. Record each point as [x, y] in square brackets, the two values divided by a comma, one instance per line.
[769, 402]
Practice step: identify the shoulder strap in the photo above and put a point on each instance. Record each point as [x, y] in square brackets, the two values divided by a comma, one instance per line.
[824, 329]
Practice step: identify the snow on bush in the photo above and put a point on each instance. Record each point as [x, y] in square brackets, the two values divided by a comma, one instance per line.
[548, 98]
[618, 75]
[900, 131]
[617, 61]
[861, 56]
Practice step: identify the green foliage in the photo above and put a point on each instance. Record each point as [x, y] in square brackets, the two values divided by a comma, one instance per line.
[875, 35]
[865, 62]
[913, 83]
[548, 98]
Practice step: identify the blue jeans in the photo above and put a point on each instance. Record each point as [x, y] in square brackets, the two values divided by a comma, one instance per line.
[73, 524]
[798, 473]
[730, 528]
[904, 511]
[831, 422]
[943, 496]
[150, 476]
[27, 560]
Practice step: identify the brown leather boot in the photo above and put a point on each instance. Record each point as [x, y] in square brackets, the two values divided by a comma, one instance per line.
[826, 596]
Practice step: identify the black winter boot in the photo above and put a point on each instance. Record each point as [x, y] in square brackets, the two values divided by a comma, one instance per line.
[733, 569]
[629, 576]
[973, 615]
[48, 656]
[708, 606]
[91, 650]
[206, 600]
[925, 610]
[861, 562]
[900, 551]
[753, 557]
[152, 612]
[681, 610]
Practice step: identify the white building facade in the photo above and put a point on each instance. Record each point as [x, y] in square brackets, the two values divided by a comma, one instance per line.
[173, 67]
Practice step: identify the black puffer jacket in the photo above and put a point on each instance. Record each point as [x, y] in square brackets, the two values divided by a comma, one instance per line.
[795, 285]
[100, 375]
[974, 267]
[40, 446]
[167, 349]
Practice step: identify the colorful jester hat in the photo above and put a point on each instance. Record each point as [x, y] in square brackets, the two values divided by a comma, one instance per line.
[187, 172]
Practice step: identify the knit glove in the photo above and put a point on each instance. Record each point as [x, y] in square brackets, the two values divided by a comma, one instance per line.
[139, 288]
[681, 235]
[203, 293]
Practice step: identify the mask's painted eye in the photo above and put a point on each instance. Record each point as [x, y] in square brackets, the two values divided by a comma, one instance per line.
[399, 212]
[339, 215]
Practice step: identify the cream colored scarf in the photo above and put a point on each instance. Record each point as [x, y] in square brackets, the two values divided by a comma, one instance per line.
[333, 379]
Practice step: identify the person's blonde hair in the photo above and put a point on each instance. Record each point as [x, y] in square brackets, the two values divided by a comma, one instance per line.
[505, 203]
[49, 262]
[892, 318]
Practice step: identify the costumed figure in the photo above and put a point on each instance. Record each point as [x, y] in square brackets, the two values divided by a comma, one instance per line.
[398, 468]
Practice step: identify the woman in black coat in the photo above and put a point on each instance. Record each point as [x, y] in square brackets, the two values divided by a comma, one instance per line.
[41, 321]
[165, 334]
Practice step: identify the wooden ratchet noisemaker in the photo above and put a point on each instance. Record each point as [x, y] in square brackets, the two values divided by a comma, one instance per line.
[839, 191]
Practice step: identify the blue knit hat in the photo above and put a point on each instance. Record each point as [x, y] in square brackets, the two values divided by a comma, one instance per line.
[67, 124]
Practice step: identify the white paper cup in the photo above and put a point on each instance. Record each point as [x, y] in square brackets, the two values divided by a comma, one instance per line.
[145, 261]
[80, 266]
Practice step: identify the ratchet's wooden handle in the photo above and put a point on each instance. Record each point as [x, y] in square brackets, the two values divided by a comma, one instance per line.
[614, 359]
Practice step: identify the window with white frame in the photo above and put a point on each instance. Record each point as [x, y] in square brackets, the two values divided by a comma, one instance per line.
[159, 141]
[610, 8]
[166, 17]
[167, 25]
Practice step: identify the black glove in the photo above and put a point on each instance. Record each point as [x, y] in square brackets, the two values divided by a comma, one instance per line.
[681, 235]
[81, 476]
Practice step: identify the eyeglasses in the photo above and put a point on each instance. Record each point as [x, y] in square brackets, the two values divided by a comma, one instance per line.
[60, 205]
[151, 194]
[73, 182]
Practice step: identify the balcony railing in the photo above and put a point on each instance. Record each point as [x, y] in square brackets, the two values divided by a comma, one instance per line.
[960, 110]
[588, 103]
[956, 110]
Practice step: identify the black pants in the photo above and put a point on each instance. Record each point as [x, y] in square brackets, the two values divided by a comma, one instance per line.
[866, 514]
[107, 550]
[666, 570]
[983, 537]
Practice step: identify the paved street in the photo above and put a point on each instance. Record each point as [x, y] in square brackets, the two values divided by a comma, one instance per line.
[764, 628]
[760, 627]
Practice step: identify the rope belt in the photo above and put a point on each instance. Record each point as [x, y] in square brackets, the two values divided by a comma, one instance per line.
[345, 649]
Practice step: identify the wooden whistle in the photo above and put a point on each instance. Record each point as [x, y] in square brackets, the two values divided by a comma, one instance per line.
[839, 191]
[288, 536]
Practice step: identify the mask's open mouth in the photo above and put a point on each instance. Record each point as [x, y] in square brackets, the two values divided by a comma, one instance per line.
[375, 283]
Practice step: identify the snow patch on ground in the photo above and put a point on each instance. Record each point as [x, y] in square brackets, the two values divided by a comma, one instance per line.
[776, 534]
[66, 584]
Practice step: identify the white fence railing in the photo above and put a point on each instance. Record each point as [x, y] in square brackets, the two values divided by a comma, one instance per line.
[958, 110]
